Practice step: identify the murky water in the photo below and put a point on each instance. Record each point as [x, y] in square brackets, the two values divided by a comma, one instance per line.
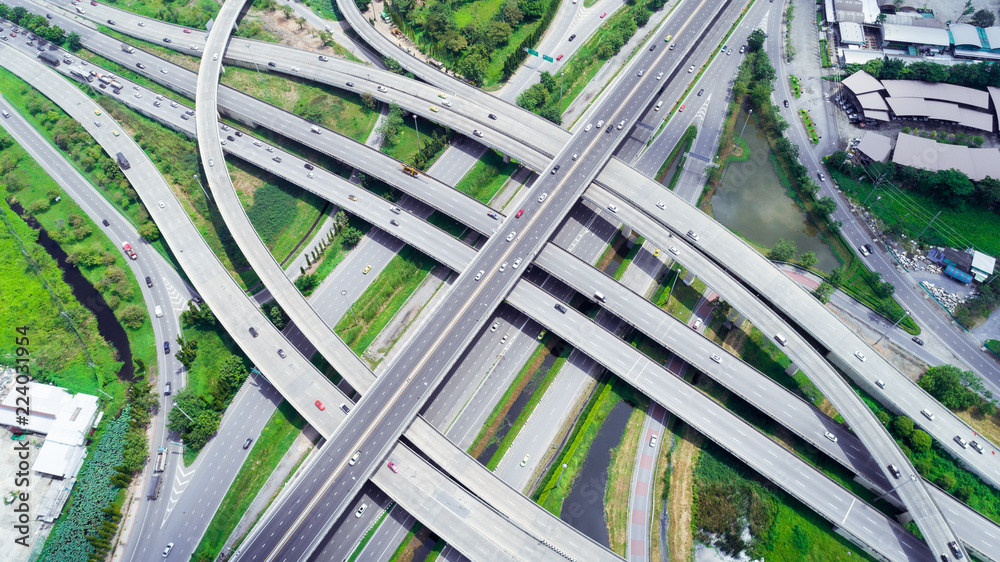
[584, 506]
[752, 202]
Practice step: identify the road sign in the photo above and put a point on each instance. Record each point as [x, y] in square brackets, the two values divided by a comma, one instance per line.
[532, 52]
[548, 58]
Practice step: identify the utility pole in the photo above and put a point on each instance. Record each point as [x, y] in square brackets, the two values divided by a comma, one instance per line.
[905, 314]
[928, 225]
[559, 480]
[255, 65]
[418, 131]
[350, 306]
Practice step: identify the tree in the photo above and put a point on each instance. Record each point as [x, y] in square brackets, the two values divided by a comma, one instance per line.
[286, 10]
[722, 308]
[944, 382]
[133, 316]
[390, 127]
[884, 289]
[306, 284]
[823, 292]
[983, 18]
[73, 42]
[783, 250]
[755, 41]
[808, 259]
[920, 441]
[903, 425]
[952, 186]
[340, 220]
[149, 231]
[187, 352]
[351, 236]
[231, 374]
[825, 206]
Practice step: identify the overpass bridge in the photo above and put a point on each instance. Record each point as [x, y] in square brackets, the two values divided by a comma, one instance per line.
[730, 255]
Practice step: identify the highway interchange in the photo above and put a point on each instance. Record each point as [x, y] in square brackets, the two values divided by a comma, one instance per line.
[471, 300]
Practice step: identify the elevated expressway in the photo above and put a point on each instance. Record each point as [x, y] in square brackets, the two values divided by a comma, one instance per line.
[516, 132]
[732, 256]
[774, 400]
[236, 312]
[243, 107]
[922, 508]
[854, 517]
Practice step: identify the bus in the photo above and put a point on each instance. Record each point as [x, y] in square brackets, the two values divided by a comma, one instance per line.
[154, 488]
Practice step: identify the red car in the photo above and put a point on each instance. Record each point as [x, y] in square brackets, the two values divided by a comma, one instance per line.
[92, 3]
[681, 109]
[320, 406]
[603, 14]
[392, 466]
[187, 31]
[519, 213]
[559, 57]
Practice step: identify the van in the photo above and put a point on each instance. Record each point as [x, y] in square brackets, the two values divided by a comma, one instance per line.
[780, 339]
[659, 104]
[927, 414]
[599, 296]
[697, 325]
[6, 115]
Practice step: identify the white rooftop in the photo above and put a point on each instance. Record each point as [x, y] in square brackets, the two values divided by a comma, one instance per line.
[918, 152]
[851, 32]
[983, 262]
[861, 82]
[916, 35]
[937, 91]
[875, 146]
[993, 36]
[965, 34]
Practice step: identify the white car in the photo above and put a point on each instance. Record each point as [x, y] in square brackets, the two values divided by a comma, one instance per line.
[383, 89]
[517, 262]
[613, 208]
[480, 275]
[859, 355]
[660, 205]
[575, 156]
[494, 327]
[503, 267]
[690, 70]
[716, 358]
[674, 251]
[511, 235]
[652, 440]
[158, 311]
[588, 127]
[542, 197]
[161, 204]
[659, 76]
[211, 162]
[831, 437]
[524, 461]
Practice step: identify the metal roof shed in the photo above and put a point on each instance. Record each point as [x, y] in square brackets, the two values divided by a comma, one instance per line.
[965, 34]
[915, 35]
[861, 83]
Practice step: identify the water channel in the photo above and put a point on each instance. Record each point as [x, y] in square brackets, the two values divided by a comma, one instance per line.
[752, 202]
[108, 325]
[584, 506]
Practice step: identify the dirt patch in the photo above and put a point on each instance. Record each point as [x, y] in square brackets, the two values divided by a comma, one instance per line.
[616, 504]
[684, 458]
[290, 32]
[736, 338]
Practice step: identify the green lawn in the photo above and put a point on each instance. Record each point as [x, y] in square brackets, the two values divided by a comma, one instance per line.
[732, 498]
[406, 147]
[194, 14]
[277, 436]
[684, 297]
[680, 148]
[336, 251]
[487, 176]
[282, 214]
[383, 298]
[761, 353]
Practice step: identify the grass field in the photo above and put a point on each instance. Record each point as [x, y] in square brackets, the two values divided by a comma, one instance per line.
[682, 146]
[975, 225]
[731, 499]
[277, 436]
[380, 302]
[282, 214]
[194, 14]
[764, 355]
[487, 177]
[683, 298]
[406, 148]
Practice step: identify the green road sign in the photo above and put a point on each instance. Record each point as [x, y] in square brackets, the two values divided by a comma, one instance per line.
[532, 52]
[548, 58]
